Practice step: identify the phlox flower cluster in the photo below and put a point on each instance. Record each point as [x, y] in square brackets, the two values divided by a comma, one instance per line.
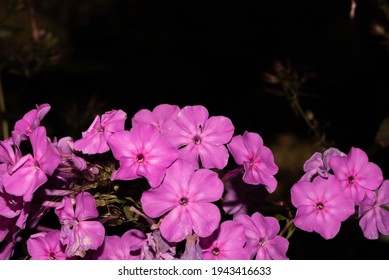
[172, 183]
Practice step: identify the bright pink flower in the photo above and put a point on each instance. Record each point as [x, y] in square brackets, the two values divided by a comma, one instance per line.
[258, 160]
[94, 140]
[358, 177]
[30, 172]
[29, 122]
[142, 152]
[158, 117]
[374, 213]
[126, 247]
[77, 232]
[200, 137]
[226, 243]
[186, 196]
[262, 239]
[46, 246]
[321, 206]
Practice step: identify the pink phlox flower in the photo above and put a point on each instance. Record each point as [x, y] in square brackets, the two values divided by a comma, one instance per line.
[186, 197]
[318, 164]
[94, 140]
[258, 160]
[9, 154]
[199, 137]
[242, 198]
[46, 246]
[357, 176]
[321, 206]
[78, 232]
[158, 248]
[262, 239]
[142, 152]
[30, 172]
[374, 213]
[158, 117]
[226, 243]
[30, 121]
[127, 247]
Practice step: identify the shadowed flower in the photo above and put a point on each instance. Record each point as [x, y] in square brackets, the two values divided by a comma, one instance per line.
[262, 241]
[321, 206]
[94, 140]
[258, 160]
[200, 138]
[357, 176]
[77, 232]
[226, 243]
[374, 213]
[186, 196]
[46, 246]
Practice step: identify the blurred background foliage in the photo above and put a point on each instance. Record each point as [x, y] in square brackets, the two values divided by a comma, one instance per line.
[304, 74]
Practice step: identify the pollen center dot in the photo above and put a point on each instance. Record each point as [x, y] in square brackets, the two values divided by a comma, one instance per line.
[184, 201]
[140, 158]
[319, 206]
[351, 179]
[215, 251]
[52, 256]
[197, 140]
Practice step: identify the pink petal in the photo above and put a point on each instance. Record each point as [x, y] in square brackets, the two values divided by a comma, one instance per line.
[302, 193]
[177, 225]
[191, 118]
[190, 153]
[368, 223]
[305, 218]
[127, 170]
[205, 186]
[213, 156]
[383, 220]
[66, 210]
[85, 207]
[277, 248]
[119, 144]
[218, 130]
[327, 225]
[91, 234]
[238, 150]
[205, 218]
[92, 143]
[231, 236]
[356, 160]
[114, 120]
[156, 202]
[370, 177]
[142, 116]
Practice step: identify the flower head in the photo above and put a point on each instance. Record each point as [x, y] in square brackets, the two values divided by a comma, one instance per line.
[46, 246]
[374, 213]
[186, 197]
[226, 243]
[94, 140]
[258, 160]
[78, 233]
[358, 177]
[321, 206]
[142, 152]
[199, 137]
[262, 241]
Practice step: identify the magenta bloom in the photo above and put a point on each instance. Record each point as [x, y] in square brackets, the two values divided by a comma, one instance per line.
[226, 243]
[318, 164]
[374, 213]
[358, 177]
[77, 232]
[158, 117]
[94, 140]
[186, 196]
[321, 206]
[142, 152]
[126, 247]
[258, 160]
[200, 137]
[46, 246]
[30, 172]
[262, 241]
[29, 122]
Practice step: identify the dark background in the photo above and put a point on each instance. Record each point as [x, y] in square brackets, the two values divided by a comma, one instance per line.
[137, 54]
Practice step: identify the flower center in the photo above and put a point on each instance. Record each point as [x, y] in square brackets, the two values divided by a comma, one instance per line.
[100, 130]
[184, 201]
[319, 206]
[197, 140]
[351, 179]
[140, 158]
[215, 251]
[52, 256]
[36, 165]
